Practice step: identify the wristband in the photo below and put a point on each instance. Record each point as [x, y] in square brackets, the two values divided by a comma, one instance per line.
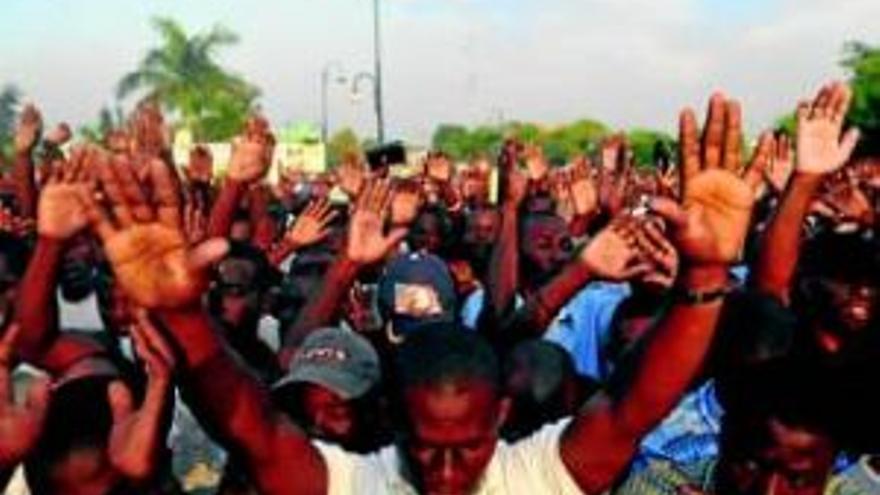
[700, 297]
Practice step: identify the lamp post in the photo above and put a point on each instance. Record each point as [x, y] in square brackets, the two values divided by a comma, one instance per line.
[377, 74]
[326, 73]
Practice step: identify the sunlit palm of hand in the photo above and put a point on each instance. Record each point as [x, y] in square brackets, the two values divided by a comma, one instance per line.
[366, 241]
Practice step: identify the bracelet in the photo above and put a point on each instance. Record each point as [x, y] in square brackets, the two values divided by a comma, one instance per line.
[700, 297]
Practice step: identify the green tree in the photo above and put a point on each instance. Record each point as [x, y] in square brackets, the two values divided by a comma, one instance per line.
[10, 97]
[184, 77]
[643, 142]
[862, 61]
[453, 140]
[341, 143]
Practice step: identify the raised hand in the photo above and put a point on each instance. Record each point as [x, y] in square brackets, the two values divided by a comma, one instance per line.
[583, 190]
[201, 166]
[710, 225]
[781, 164]
[252, 152]
[660, 252]
[61, 210]
[367, 243]
[311, 226]
[60, 135]
[438, 167]
[405, 203]
[195, 218]
[351, 176]
[150, 136]
[144, 241]
[137, 433]
[20, 424]
[30, 126]
[616, 253]
[822, 147]
[536, 163]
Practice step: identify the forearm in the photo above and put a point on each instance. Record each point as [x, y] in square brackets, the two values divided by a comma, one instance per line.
[779, 254]
[223, 211]
[25, 184]
[237, 410]
[324, 304]
[618, 419]
[504, 266]
[541, 307]
[37, 307]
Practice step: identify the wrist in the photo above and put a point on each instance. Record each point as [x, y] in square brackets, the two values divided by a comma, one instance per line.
[50, 242]
[704, 278]
[810, 179]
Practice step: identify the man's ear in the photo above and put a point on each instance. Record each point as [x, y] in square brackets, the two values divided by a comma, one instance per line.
[504, 405]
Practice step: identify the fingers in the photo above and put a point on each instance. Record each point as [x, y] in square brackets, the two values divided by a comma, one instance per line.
[821, 105]
[112, 186]
[713, 134]
[166, 193]
[840, 102]
[395, 237]
[151, 345]
[131, 189]
[99, 220]
[208, 253]
[670, 211]
[689, 147]
[8, 343]
[121, 401]
[732, 158]
[761, 159]
[848, 144]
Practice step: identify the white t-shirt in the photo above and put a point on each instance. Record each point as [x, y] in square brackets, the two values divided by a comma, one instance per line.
[531, 466]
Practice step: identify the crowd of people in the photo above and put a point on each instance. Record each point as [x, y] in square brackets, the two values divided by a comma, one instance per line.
[705, 324]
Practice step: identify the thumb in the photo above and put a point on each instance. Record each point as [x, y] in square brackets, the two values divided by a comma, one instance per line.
[395, 237]
[38, 396]
[669, 210]
[207, 253]
[121, 401]
[848, 144]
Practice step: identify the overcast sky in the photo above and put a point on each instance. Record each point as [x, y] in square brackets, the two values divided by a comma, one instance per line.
[627, 62]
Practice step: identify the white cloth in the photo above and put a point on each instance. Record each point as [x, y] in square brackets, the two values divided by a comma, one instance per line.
[532, 466]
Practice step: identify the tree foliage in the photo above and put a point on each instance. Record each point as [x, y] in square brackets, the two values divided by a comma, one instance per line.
[862, 61]
[343, 142]
[182, 74]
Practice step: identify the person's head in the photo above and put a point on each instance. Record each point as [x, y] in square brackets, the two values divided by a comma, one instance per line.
[241, 229]
[776, 436]
[837, 291]
[545, 244]
[480, 234]
[77, 276]
[240, 281]
[540, 379]
[416, 291]
[71, 451]
[450, 397]
[332, 387]
[431, 230]
[14, 255]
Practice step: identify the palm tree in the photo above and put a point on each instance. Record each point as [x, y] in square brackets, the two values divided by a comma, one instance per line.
[10, 97]
[182, 75]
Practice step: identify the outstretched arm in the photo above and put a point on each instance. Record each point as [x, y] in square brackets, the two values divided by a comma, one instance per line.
[709, 232]
[159, 270]
[27, 135]
[365, 246]
[821, 150]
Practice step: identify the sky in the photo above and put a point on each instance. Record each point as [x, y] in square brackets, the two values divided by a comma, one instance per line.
[629, 63]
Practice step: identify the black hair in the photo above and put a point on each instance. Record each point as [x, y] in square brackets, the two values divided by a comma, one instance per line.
[266, 275]
[17, 253]
[438, 356]
[849, 257]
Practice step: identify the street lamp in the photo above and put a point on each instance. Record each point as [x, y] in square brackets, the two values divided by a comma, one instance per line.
[377, 75]
[340, 78]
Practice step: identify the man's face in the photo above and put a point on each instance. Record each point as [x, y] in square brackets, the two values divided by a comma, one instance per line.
[330, 416]
[453, 430]
[236, 287]
[850, 308]
[426, 233]
[777, 460]
[546, 245]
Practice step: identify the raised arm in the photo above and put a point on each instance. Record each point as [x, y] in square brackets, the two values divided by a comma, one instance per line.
[27, 135]
[158, 270]
[503, 276]
[312, 226]
[821, 149]
[709, 231]
[251, 157]
[366, 245]
[61, 216]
